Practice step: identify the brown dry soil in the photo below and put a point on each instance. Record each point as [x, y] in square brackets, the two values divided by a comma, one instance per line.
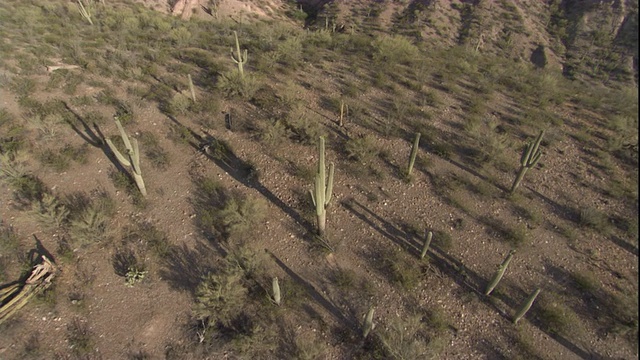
[370, 217]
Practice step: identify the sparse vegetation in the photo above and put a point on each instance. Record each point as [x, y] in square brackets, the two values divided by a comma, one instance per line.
[228, 221]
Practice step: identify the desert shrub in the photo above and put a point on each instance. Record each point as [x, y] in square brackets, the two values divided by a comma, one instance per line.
[128, 262]
[305, 127]
[23, 86]
[585, 281]
[409, 338]
[5, 116]
[28, 188]
[80, 336]
[9, 247]
[594, 218]
[179, 104]
[89, 226]
[289, 52]
[400, 269]
[147, 234]
[221, 295]
[442, 240]
[273, 132]
[50, 212]
[556, 317]
[228, 213]
[240, 213]
[344, 278]
[362, 148]
[231, 84]
[158, 157]
[396, 49]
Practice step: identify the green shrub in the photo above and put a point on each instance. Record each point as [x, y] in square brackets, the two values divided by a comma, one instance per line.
[221, 295]
[80, 336]
[362, 149]
[400, 269]
[397, 49]
[89, 226]
[594, 218]
[229, 213]
[158, 157]
[410, 338]
[231, 84]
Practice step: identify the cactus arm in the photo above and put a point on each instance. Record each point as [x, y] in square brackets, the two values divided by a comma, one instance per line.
[526, 154]
[538, 141]
[321, 170]
[124, 161]
[135, 163]
[313, 198]
[499, 273]
[123, 134]
[526, 306]
[329, 192]
[135, 156]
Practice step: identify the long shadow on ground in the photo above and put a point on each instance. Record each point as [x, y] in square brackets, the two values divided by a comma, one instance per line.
[95, 137]
[455, 269]
[327, 304]
[220, 154]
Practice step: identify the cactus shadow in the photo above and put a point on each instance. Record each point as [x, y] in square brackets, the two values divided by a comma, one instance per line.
[397, 235]
[477, 174]
[630, 248]
[93, 136]
[464, 277]
[349, 321]
[184, 267]
[220, 154]
[593, 299]
[562, 211]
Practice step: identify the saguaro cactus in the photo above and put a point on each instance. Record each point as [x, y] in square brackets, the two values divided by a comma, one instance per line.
[368, 323]
[323, 189]
[239, 58]
[414, 153]
[84, 12]
[427, 242]
[192, 89]
[132, 158]
[344, 111]
[530, 157]
[526, 306]
[499, 273]
[276, 291]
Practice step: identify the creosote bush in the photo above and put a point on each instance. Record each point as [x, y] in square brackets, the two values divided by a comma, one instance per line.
[229, 213]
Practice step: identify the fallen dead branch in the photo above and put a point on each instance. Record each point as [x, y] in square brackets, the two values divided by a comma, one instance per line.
[15, 296]
[58, 67]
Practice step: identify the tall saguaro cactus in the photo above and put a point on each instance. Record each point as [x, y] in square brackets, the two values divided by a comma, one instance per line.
[368, 323]
[132, 158]
[530, 157]
[323, 189]
[526, 306]
[499, 273]
[414, 153]
[239, 58]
